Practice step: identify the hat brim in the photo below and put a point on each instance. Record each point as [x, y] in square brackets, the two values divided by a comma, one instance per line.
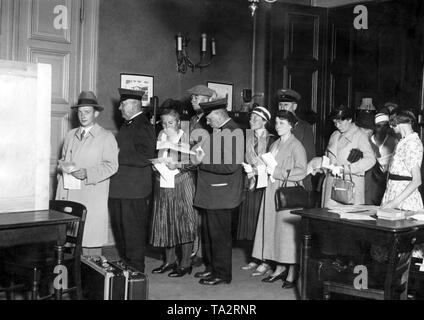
[95, 106]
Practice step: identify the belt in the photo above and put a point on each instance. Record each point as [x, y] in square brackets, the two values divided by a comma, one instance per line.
[399, 178]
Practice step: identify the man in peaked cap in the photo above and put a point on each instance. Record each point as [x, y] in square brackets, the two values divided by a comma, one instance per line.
[131, 187]
[219, 191]
[288, 99]
[90, 155]
[199, 94]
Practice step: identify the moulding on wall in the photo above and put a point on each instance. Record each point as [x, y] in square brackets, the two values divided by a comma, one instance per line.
[334, 3]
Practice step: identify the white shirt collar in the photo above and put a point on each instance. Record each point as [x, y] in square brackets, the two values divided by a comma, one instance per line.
[135, 115]
[224, 123]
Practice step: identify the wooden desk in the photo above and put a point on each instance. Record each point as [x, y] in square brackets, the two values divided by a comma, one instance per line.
[20, 228]
[376, 231]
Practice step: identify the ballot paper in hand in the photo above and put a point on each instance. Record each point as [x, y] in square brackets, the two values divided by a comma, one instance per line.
[269, 159]
[167, 176]
[262, 177]
[67, 167]
[180, 147]
[70, 182]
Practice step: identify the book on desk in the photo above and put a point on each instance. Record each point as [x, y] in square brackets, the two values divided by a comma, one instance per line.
[394, 214]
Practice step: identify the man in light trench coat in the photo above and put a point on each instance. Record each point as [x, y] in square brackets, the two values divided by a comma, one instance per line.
[89, 158]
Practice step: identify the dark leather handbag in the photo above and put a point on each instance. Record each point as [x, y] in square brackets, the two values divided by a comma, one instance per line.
[291, 197]
[343, 190]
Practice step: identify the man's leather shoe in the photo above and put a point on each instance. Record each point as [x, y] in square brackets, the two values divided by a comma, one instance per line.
[180, 271]
[165, 267]
[213, 281]
[203, 274]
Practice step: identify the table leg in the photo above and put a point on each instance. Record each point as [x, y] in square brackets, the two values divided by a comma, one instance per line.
[306, 247]
[59, 261]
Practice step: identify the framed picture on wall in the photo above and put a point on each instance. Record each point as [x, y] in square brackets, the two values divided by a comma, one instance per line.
[223, 90]
[142, 82]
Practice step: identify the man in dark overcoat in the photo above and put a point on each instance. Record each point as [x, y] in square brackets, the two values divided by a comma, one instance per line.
[219, 190]
[131, 186]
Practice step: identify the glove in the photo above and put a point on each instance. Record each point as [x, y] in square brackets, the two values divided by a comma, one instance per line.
[337, 171]
[247, 167]
[270, 170]
[355, 155]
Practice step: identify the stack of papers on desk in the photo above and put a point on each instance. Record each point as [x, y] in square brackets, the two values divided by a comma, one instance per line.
[355, 212]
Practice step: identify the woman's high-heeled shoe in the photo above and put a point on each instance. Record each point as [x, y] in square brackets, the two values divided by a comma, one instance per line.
[273, 278]
[165, 267]
[180, 271]
[250, 266]
[262, 270]
[291, 284]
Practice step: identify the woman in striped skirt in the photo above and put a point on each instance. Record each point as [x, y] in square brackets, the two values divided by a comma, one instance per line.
[174, 219]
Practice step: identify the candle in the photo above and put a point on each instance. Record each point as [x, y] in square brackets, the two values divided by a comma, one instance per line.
[204, 39]
[179, 42]
[213, 47]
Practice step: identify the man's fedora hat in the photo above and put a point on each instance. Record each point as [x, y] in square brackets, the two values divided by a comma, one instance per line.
[210, 106]
[88, 99]
[130, 94]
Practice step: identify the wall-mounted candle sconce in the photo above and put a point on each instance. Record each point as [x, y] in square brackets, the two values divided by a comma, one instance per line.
[183, 60]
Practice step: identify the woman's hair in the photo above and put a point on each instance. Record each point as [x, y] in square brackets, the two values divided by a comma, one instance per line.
[402, 116]
[342, 113]
[287, 115]
[170, 112]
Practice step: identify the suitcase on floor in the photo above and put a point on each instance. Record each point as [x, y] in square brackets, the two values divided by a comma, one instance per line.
[137, 283]
[102, 281]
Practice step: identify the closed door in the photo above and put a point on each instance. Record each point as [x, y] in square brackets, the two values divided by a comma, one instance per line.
[51, 32]
[298, 57]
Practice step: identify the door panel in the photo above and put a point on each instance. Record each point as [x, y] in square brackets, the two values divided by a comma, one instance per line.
[41, 41]
[297, 56]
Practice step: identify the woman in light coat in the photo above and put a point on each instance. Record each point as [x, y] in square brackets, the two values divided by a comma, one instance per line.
[278, 233]
[346, 138]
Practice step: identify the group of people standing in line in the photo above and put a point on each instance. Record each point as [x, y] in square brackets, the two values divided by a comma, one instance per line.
[193, 213]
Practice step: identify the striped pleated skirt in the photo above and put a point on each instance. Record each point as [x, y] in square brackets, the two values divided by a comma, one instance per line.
[174, 218]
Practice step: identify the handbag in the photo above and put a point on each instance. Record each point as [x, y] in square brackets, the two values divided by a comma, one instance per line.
[343, 190]
[291, 197]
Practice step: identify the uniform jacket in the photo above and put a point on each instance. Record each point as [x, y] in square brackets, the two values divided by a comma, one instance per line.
[196, 123]
[97, 152]
[136, 142]
[220, 186]
[338, 150]
[303, 132]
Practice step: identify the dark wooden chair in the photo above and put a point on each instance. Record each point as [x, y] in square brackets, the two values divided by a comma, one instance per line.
[395, 277]
[33, 263]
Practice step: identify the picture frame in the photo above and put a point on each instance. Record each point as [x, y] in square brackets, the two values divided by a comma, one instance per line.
[223, 90]
[134, 81]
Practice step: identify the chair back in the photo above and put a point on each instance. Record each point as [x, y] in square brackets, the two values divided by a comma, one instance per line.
[399, 265]
[74, 230]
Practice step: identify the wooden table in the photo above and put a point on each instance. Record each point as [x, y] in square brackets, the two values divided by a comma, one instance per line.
[19, 228]
[377, 231]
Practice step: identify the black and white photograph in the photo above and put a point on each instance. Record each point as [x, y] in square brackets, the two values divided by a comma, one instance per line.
[215, 156]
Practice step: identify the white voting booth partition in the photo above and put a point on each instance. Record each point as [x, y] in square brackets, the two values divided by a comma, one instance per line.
[25, 104]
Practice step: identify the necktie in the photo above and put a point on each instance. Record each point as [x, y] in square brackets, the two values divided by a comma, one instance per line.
[82, 134]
